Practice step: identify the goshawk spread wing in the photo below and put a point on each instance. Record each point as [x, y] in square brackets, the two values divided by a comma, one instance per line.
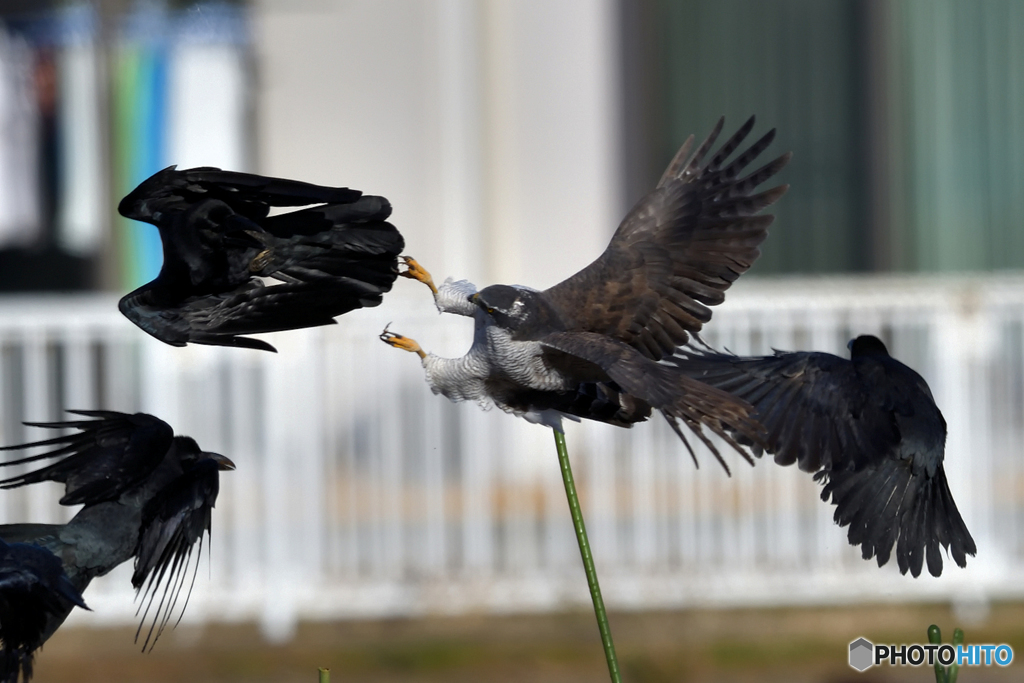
[677, 250]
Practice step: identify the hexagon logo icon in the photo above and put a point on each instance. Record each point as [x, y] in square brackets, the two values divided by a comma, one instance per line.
[861, 654]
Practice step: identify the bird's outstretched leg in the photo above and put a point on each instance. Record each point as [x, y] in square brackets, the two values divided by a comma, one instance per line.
[414, 271]
[400, 342]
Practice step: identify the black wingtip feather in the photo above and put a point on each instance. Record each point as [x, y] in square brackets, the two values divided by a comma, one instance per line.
[173, 522]
[733, 143]
[889, 506]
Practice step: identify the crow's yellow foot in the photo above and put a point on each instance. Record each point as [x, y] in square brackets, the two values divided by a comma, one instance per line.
[400, 342]
[260, 261]
[414, 271]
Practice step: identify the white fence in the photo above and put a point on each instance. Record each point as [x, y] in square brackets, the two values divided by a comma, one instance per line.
[359, 493]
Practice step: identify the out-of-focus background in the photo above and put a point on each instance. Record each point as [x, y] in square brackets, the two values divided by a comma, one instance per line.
[380, 530]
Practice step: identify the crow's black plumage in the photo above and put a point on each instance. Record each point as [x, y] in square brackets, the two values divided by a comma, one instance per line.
[155, 508]
[173, 521]
[600, 333]
[100, 461]
[219, 240]
[870, 429]
[33, 590]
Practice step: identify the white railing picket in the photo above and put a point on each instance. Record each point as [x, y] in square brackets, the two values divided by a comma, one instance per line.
[360, 493]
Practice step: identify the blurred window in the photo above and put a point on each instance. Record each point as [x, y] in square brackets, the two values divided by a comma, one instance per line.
[906, 120]
[94, 98]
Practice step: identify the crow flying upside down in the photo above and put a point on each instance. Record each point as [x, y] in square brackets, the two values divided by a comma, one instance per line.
[147, 494]
[219, 241]
[870, 430]
[589, 347]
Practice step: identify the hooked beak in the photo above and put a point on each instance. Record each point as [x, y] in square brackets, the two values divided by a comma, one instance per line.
[223, 462]
[849, 345]
[474, 297]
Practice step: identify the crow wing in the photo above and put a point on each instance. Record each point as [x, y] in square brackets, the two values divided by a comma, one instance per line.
[872, 433]
[25, 567]
[172, 522]
[102, 460]
[839, 426]
[677, 251]
[248, 194]
[253, 308]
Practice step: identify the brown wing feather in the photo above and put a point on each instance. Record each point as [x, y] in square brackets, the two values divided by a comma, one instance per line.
[681, 399]
[677, 251]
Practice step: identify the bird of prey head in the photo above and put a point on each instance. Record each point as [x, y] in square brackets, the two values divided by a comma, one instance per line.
[523, 312]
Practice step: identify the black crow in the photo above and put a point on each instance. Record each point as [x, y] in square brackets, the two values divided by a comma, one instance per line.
[870, 430]
[590, 346]
[147, 495]
[33, 590]
[219, 241]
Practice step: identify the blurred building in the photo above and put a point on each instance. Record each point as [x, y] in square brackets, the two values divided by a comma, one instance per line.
[511, 137]
[94, 98]
[904, 119]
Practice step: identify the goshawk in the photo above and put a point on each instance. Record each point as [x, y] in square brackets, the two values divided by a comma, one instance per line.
[589, 347]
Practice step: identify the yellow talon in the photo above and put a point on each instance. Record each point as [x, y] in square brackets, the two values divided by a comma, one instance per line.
[401, 342]
[414, 271]
[260, 261]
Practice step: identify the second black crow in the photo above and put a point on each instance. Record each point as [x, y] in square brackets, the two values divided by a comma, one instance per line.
[154, 504]
[870, 430]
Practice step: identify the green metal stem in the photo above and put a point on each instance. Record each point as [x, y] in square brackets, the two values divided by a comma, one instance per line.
[325, 675]
[588, 559]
